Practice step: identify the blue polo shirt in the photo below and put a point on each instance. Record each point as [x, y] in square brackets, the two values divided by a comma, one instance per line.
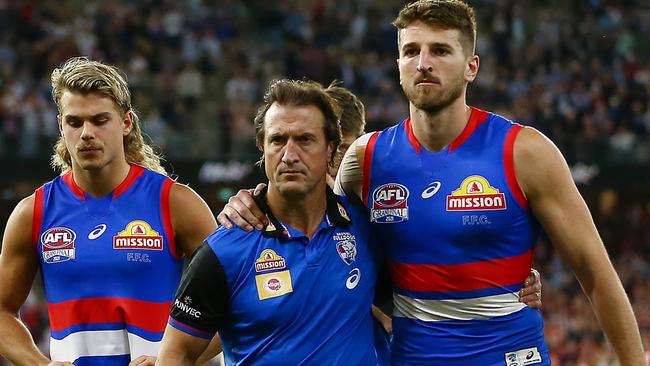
[278, 298]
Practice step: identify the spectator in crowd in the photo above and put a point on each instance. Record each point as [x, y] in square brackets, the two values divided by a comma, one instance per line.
[584, 84]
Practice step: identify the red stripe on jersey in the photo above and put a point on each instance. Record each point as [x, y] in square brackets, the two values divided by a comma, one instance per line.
[68, 179]
[150, 316]
[367, 164]
[37, 218]
[408, 125]
[462, 277]
[135, 172]
[165, 211]
[509, 166]
[476, 118]
[183, 325]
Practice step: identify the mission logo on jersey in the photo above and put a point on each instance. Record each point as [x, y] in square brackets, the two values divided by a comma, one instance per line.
[58, 244]
[389, 204]
[138, 235]
[269, 260]
[476, 194]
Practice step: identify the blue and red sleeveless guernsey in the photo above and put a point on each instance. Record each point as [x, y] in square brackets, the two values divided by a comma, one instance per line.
[109, 267]
[459, 237]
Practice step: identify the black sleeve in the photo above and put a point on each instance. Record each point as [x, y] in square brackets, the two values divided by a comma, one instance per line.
[384, 286]
[384, 289]
[202, 298]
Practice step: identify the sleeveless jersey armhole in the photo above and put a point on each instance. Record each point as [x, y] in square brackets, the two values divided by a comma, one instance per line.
[509, 166]
[165, 212]
[37, 218]
[367, 165]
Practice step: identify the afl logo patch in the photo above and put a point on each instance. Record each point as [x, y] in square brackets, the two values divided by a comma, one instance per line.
[389, 204]
[58, 244]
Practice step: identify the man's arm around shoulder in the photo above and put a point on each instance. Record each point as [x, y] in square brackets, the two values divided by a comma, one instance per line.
[349, 180]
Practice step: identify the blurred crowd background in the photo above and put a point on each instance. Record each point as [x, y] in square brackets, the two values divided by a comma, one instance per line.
[578, 70]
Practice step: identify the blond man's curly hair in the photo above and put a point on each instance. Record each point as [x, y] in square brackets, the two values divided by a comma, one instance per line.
[81, 75]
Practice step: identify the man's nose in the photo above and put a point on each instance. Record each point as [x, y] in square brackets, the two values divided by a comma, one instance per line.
[88, 130]
[290, 154]
[425, 62]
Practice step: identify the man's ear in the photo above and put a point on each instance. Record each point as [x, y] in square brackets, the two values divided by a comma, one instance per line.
[127, 124]
[472, 68]
[60, 123]
[331, 153]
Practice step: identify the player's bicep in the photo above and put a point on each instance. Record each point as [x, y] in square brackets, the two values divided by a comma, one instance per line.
[180, 348]
[555, 200]
[201, 303]
[349, 179]
[192, 219]
[18, 259]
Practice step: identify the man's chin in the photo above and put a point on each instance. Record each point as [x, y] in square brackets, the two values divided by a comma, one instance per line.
[422, 99]
[432, 105]
[292, 190]
[90, 165]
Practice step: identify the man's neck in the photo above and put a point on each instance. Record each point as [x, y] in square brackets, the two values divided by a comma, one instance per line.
[100, 182]
[303, 213]
[436, 130]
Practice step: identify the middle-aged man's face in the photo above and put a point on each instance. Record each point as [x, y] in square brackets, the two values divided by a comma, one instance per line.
[433, 67]
[296, 152]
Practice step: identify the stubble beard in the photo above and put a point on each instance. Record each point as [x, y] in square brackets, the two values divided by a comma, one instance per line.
[432, 102]
[292, 190]
[293, 193]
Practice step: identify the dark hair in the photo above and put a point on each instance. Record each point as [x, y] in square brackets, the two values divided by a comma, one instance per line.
[445, 14]
[288, 92]
[352, 118]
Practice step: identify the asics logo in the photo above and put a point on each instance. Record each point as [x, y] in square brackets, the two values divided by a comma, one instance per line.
[353, 280]
[431, 190]
[97, 231]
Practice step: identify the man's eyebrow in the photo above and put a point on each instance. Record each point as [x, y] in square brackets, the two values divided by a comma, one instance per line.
[95, 116]
[432, 44]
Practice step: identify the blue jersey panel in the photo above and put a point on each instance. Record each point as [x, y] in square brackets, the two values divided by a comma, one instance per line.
[296, 301]
[459, 240]
[97, 258]
[108, 266]
[492, 340]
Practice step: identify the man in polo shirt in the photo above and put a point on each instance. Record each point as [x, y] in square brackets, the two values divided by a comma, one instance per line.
[299, 291]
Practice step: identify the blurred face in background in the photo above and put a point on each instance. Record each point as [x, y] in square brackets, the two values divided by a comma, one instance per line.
[346, 140]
